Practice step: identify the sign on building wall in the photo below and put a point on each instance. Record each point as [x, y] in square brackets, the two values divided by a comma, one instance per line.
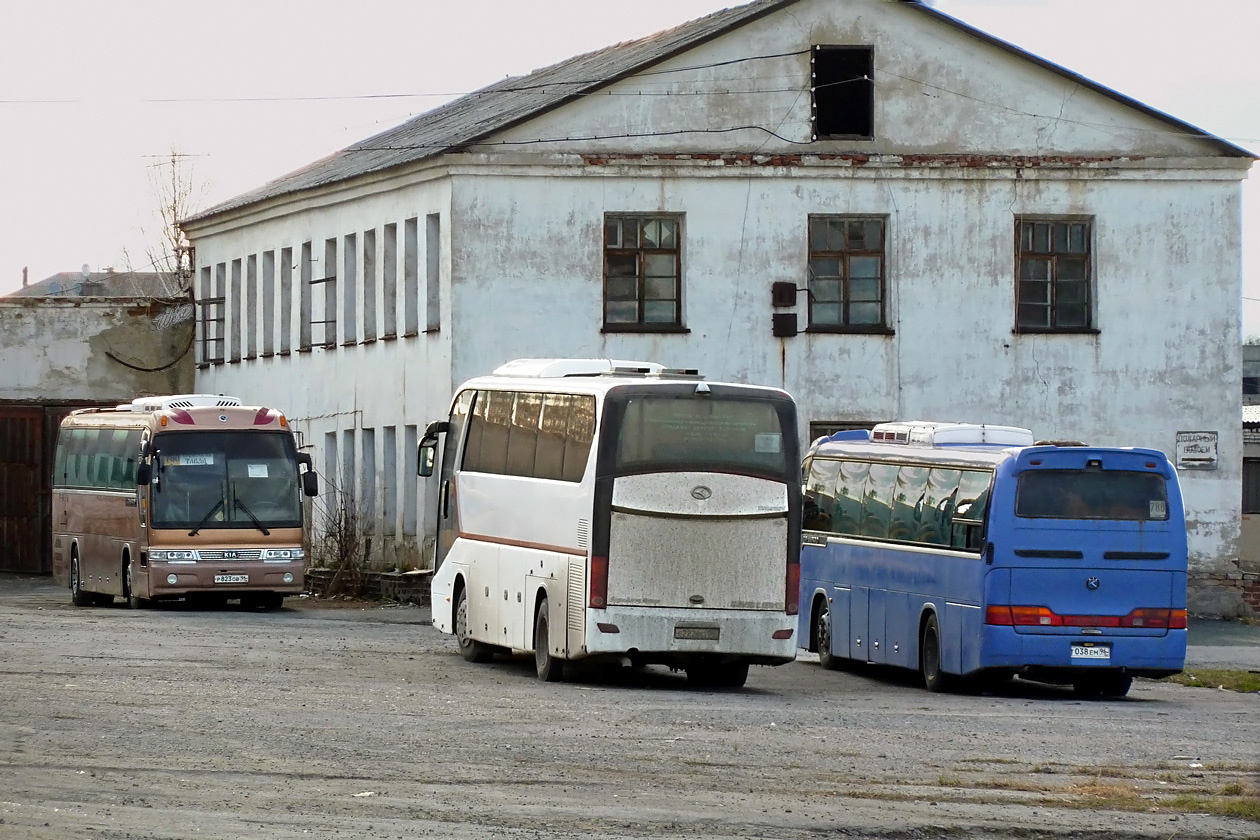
[1196, 450]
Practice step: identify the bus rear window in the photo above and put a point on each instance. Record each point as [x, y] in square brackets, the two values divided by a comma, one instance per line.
[1091, 494]
[728, 434]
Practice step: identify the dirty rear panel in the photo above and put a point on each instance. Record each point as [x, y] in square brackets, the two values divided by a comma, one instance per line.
[698, 540]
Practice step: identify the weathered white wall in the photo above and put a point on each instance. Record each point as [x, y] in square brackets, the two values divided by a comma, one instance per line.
[938, 91]
[389, 382]
[58, 350]
[967, 138]
[1161, 361]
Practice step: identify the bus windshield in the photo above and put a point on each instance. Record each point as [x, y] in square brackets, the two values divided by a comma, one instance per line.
[225, 480]
[1092, 494]
[686, 432]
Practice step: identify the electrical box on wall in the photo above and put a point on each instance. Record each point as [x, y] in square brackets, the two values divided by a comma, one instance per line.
[783, 293]
[784, 324]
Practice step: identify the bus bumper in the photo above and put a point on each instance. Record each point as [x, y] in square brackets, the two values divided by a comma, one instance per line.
[169, 580]
[653, 635]
[1002, 648]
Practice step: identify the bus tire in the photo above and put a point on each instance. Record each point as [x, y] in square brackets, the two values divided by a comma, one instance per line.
[549, 668]
[271, 601]
[934, 677]
[469, 648]
[77, 596]
[822, 631]
[133, 600]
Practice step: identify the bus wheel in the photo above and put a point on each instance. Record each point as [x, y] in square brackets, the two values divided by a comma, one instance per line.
[77, 596]
[469, 648]
[271, 601]
[934, 679]
[822, 630]
[548, 667]
[134, 601]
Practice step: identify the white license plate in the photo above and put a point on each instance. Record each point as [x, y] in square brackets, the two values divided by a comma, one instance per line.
[1091, 651]
[234, 579]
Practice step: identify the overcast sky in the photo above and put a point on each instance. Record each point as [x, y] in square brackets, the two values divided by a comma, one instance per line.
[95, 96]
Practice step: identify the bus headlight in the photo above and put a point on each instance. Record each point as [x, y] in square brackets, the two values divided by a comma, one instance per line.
[173, 556]
[171, 579]
[283, 554]
[288, 577]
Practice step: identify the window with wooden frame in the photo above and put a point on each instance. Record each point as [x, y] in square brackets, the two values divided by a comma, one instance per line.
[1054, 275]
[642, 273]
[846, 274]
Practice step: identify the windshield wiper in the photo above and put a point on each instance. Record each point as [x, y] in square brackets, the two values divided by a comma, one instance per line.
[206, 518]
[253, 518]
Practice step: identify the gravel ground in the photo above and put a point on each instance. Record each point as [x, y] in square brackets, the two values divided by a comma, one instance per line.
[335, 719]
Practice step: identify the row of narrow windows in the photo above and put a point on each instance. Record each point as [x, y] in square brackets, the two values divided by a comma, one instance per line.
[247, 306]
[366, 494]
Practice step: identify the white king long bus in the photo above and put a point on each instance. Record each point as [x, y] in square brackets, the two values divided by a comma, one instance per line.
[602, 510]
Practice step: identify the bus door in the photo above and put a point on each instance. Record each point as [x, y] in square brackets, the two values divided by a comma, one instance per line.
[448, 502]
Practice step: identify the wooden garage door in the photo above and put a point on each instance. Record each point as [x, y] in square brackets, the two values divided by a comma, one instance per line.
[22, 494]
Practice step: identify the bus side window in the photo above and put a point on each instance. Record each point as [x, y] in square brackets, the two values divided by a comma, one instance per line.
[59, 463]
[850, 488]
[523, 434]
[552, 427]
[971, 511]
[85, 457]
[581, 434]
[936, 522]
[820, 494]
[877, 500]
[907, 507]
[122, 459]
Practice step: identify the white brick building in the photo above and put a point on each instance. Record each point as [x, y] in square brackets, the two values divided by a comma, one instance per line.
[958, 230]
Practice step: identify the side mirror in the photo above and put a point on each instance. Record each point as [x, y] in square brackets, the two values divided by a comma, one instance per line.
[310, 483]
[144, 474]
[426, 456]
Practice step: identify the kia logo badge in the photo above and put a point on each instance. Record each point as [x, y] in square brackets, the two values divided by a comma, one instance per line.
[1092, 584]
[701, 493]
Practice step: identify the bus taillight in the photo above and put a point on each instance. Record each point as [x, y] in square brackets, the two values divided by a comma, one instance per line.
[792, 597]
[1147, 617]
[599, 582]
[1020, 616]
[1155, 617]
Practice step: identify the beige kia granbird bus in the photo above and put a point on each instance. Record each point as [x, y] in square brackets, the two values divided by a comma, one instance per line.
[189, 496]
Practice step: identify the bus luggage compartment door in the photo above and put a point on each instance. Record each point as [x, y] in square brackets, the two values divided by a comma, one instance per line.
[859, 618]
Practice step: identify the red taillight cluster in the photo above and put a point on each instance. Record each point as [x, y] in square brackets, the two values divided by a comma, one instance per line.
[1024, 616]
[792, 597]
[599, 582]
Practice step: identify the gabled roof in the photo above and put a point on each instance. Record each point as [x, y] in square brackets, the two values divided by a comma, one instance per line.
[128, 284]
[500, 106]
[513, 101]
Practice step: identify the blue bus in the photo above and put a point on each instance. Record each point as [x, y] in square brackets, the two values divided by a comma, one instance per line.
[967, 550]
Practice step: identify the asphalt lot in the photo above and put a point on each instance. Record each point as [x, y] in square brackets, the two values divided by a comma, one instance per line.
[342, 719]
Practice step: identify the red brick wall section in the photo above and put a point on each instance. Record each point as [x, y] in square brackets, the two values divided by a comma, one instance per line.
[1251, 590]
